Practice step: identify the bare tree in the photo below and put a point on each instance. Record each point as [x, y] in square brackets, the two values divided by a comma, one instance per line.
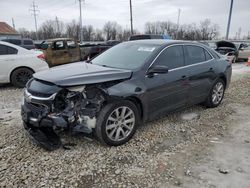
[73, 30]
[98, 35]
[208, 31]
[88, 32]
[205, 31]
[24, 33]
[111, 30]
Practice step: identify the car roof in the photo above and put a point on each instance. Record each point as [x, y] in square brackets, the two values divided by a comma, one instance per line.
[56, 39]
[164, 42]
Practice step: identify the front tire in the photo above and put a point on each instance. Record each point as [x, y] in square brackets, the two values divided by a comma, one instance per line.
[216, 94]
[117, 122]
[20, 77]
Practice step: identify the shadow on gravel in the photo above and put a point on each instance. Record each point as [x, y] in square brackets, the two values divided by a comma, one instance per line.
[7, 86]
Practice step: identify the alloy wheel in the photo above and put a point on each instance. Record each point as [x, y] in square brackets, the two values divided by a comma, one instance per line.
[23, 77]
[218, 92]
[120, 123]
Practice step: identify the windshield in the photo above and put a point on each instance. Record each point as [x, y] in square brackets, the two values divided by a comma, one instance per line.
[127, 55]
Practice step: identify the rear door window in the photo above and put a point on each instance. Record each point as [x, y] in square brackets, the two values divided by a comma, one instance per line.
[207, 55]
[59, 45]
[194, 54]
[71, 44]
[6, 50]
[12, 50]
[3, 50]
[171, 57]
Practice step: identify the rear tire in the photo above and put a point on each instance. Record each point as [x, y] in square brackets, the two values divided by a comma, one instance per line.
[21, 76]
[117, 122]
[216, 94]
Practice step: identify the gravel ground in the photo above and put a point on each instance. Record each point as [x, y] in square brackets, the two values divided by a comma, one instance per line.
[160, 152]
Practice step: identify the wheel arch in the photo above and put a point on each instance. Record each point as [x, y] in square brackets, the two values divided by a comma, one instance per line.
[19, 68]
[138, 104]
[223, 77]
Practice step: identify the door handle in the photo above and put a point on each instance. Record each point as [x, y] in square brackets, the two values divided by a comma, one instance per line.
[184, 77]
[211, 69]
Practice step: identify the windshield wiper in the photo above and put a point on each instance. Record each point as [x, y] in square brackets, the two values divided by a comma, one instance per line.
[105, 66]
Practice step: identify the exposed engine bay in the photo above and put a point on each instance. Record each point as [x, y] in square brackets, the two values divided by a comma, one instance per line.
[73, 109]
[228, 49]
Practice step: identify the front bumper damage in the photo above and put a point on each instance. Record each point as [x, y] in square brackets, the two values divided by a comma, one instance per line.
[72, 111]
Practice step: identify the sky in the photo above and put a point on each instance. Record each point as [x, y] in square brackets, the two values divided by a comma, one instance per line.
[97, 12]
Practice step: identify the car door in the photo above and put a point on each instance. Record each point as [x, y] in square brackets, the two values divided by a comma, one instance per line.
[166, 92]
[73, 51]
[8, 57]
[244, 53]
[59, 54]
[200, 69]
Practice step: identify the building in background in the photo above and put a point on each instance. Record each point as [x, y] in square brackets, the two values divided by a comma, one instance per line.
[8, 32]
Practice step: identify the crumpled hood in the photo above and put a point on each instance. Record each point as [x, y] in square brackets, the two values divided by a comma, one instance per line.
[81, 73]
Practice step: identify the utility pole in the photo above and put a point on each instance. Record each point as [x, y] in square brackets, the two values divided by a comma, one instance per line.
[34, 10]
[229, 19]
[131, 17]
[81, 34]
[239, 33]
[57, 24]
[178, 20]
[13, 23]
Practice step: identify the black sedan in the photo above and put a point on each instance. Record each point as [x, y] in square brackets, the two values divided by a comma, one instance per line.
[124, 87]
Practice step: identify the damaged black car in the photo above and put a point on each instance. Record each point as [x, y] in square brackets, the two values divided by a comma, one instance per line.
[127, 85]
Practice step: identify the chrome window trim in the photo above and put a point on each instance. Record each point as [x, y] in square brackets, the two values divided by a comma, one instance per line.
[185, 66]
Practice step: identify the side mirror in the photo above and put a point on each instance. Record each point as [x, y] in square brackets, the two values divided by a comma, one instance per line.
[158, 69]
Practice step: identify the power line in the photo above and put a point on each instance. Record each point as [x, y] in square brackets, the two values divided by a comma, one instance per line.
[34, 10]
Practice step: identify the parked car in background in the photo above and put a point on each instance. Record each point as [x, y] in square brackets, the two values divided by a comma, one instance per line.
[65, 50]
[25, 43]
[38, 44]
[131, 83]
[61, 51]
[244, 51]
[212, 44]
[92, 49]
[18, 64]
[148, 36]
[227, 49]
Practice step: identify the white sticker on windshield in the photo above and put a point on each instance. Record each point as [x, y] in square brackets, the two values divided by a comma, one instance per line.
[146, 49]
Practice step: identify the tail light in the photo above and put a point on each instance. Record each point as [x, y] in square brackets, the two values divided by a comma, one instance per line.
[41, 56]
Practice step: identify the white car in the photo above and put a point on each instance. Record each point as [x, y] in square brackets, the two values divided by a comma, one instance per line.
[18, 64]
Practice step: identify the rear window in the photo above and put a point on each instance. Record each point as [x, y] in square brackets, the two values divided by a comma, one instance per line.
[28, 42]
[194, 54]
[6, 50]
